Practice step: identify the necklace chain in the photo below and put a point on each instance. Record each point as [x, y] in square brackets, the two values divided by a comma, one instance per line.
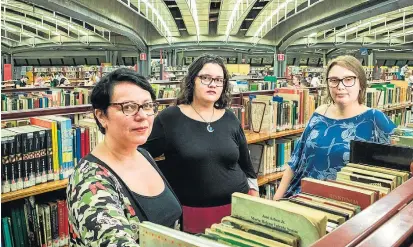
[213, 109]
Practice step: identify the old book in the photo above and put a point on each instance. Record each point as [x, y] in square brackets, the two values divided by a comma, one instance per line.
[329, 201]
[262, 231]
[348, 213]
[249, 237]
[367, 221]
[227, 240]
[403, 176]
[154, 235]
[339, 192]
[366, 180]
[379, 175]
[382, 190]
[308, 224]
[331, 217]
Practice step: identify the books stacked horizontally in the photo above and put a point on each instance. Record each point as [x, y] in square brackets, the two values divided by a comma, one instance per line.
[46, 99]
[33, 224]
[271, 156]
[356, 185]
[47, 150]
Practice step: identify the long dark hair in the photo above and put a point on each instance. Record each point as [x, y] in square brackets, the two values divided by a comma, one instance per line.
[186, 95]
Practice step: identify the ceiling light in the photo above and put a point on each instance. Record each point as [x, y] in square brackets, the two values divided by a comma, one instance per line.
[274, 12]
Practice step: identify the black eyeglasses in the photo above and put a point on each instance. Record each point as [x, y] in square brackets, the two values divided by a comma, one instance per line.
[132, 108]
[207, 80]
[347, 81]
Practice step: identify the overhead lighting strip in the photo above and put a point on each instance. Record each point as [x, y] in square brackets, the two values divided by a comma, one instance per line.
[164, 29]
[194, 12]
[269, 18]
[235, 15]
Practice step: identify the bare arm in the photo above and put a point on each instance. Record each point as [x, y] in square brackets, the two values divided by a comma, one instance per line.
[285, 182]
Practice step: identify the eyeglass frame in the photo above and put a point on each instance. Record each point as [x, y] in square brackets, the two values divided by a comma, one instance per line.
[140, 106]
[342, 81]
[212, 80]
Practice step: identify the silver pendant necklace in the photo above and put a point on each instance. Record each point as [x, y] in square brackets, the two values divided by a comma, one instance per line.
[209, 127]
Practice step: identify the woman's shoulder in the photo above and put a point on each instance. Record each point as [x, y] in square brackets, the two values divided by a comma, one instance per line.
[88, 172]
[322, 109]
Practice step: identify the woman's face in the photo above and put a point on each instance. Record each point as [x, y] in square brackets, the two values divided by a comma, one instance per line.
[296, 81]
[132, 130]
[341, 94]
[212, 92]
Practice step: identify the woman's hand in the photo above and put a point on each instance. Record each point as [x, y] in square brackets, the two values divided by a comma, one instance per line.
[253, 192]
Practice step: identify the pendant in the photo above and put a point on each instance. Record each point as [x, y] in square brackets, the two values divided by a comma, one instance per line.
[210, 129]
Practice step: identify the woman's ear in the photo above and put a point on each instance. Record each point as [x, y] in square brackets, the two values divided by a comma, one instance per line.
[101, 117]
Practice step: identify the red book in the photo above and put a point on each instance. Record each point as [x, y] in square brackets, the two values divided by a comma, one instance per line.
[367, 221]
[87, 140]
[66, 222]
[82, 142]
[61, 219]
[338, 192]
[376, 192]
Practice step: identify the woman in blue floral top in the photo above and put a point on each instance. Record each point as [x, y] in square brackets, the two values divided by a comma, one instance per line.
[324, 147]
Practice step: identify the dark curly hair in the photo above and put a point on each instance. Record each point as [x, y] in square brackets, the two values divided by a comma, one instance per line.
[102, 93]
[186, 95]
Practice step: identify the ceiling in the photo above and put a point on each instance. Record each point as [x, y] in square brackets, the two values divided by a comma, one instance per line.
[255, 24]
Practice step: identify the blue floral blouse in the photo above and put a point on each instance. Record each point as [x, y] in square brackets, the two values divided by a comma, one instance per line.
[324, 147]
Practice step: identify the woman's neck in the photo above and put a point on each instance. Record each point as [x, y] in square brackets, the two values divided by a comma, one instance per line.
[118, 150]
[202, 106]
[348, 110]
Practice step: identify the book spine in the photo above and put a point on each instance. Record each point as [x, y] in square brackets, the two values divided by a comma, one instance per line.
[49, 155]
[36, 157]
[47, 218]
[5, 177]
[60, 217]
[54, 223]
[19, 161]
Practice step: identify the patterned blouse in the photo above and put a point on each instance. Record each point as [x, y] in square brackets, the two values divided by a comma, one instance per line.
[324, 147]
[102, 211]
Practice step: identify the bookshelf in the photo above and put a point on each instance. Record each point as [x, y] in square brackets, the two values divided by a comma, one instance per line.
[259, 137]
[46, 111]
[269, 178]
[24, 89]
[35, 190]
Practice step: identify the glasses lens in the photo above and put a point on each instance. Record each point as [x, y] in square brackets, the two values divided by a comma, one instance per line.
[150, 108]
[205, 79]
[130, 109]
[348, 81]
[332, 82]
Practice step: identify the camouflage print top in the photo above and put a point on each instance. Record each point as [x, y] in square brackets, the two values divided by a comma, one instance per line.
[100, 214]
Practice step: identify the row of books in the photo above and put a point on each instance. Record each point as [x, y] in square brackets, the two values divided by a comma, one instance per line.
[271, 156]
[46, 99]
[403, 136]
[28, 223]
[286, 109]
[165, 91]
[386, 95]
[267, 191]
[47, 150]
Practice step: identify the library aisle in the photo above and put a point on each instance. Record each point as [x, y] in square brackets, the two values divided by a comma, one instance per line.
[321, 90]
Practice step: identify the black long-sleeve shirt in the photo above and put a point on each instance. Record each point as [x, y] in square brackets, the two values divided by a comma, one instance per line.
[203, 168]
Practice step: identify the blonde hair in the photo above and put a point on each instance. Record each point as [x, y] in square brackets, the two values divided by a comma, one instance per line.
[353, 64]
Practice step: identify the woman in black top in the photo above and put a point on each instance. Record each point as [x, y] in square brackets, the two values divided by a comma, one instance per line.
[206, 152]
[118, 185]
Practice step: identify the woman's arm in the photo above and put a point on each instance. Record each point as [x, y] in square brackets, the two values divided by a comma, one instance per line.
[285, 182]
[156, 143]
[245, 162]
[96, 213]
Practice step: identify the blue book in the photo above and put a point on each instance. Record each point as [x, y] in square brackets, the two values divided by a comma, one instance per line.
[59, 146]
[78, 144]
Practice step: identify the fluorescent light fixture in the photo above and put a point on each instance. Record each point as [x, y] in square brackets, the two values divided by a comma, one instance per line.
[161, 20]
[231, 19]
[82, 32]
[268, 19]
[194, 13]
[312, 35]
[402, 34]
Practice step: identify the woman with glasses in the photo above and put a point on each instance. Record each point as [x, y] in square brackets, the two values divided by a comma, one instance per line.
[324, 147]
[118, 184]
[206, 152]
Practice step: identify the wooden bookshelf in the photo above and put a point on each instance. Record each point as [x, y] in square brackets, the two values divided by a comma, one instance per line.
[253, 137]
[35, 190]
[24, 89]
[46, 111]
[269, 178]
[397, 107]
